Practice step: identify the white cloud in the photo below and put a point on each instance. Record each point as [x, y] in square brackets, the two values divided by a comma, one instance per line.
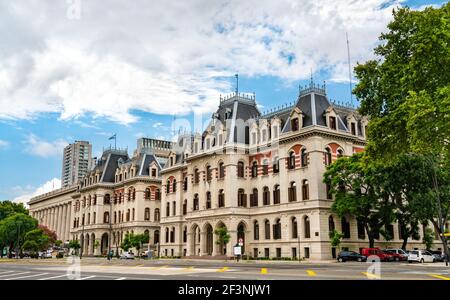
[4, 144]
[38, 147]
[157, 124]
[29, 192]
[171, 57]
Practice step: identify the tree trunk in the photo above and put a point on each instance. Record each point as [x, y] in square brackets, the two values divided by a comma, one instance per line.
[405, 242]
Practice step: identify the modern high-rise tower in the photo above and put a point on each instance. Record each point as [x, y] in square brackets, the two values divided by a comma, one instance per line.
[77, 161]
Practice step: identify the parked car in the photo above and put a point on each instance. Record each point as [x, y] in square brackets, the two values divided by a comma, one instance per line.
[420, 256]
[438, 255]
[127, 255]
[350, 256]
[399, 254]
[377, 252]
[45, 254]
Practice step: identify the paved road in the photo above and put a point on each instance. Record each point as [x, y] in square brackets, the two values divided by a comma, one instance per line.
[100, 269]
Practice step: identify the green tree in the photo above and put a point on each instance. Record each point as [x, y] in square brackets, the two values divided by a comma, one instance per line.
[356, 185]
[223, 238]
[127, 242]
[14, 228]
[74, 244]
[35, 240]
[8, 208]
[138, 240]
[428, 238]
[335, 239]
[50, 233]
[58, 243]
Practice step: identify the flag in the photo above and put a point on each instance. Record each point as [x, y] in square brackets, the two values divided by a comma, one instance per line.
[113, 137]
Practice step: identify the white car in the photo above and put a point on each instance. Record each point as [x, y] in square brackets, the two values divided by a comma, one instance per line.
[127, 255]
[420, 256]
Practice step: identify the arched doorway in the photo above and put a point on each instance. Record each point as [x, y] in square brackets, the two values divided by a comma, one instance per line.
[209, 239]
[86, 245]
[222, 247]
[93, 244]
[241, 235]
[104, 244]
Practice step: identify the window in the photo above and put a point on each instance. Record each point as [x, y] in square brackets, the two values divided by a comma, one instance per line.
[294, 124]
[340, 153]
[157, 215]
[185, 207]
[305, 190]
[277, 230]
[266, 196]
[153, 172]
[208, 200]
[128, 215]
[157, 194]
[196, 176]
[221, 198]
[107, 199]
[147, 214]
[332, 123]
[265, 168]
[174, 208]
[345, 228]
[256, 230]
[221, 170]
[254, 198]
[174, 186]
[276, 165]
[167, 235]
[172, 236]
[331, 226]
[292, 192]
[304, 158]
[147, 193]
[327, 156]
[185, 235]
[353, 128]
[167, 209]
[208, 173]
[294, 227]
[242, 198]
[168, 186]
[276, 194]
[195, 203]
[254, 169]
[291, 160]
[185, 183]
[105, 217]
[307, 226]
[267, 230]
[240, 169]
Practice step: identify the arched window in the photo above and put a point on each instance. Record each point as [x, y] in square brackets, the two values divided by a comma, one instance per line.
[128, 215]
[185, 234]
[265, 167]
[172, 235]
[221, 170]
[307, 226]
[267, 230]
[256, 230]
[167, 209]
[156, 237]
[327, 156]
[305, 189]
[196, 176]
[254, 198]
[106, 217]
[255, 169]
[277, 230]
[174, 208]
[292, 192]
[147, 193]
[167, 235]
[304, 157]
[94, 218]
[294, 124]
[240, 169]
[221, 198]
[276, 165]
[174, 185]
[185, 207]
[195, 203]
[276, 194]
[147, 214]
[331, 226]
[115, 217]
[157, 215]
[157, 194]
[107, 199]
[340, 153]
[294, 227]
[266, 196]
[291, 160]
[345, 228]
[208, 200]
[185, 183]
[168, 186]
[242, 198]
[208, 173]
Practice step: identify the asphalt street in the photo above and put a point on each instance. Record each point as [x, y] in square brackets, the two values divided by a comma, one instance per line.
[101, 269]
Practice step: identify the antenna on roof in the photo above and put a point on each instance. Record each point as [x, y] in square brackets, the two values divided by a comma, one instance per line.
[349, 68]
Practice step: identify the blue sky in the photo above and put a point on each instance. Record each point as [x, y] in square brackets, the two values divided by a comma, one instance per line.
[71, 82]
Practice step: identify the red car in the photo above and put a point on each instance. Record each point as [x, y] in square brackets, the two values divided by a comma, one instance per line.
[367, 252]
[396, 256]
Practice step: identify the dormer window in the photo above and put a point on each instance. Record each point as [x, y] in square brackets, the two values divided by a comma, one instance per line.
[333, 123]
[353, 128]
[294, 124]
[153, 173]
[171, 161]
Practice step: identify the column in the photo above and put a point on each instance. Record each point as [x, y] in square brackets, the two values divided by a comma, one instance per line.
[189, 244]
[44, 215]
[69, 221]
[53, 217]
[60, 222]
[64, 224]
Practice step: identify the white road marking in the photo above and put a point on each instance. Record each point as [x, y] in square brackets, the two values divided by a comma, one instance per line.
[27, 276]
[48, 278]
[121, 278]
[4, 272]
[14, 274]
[89, 277]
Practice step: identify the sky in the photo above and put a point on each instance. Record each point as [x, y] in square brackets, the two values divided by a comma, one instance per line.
[85, 70]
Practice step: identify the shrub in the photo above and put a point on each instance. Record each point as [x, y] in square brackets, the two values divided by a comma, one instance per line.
[60, 255]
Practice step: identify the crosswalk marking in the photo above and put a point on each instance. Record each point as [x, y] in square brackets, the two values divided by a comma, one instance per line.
[4, 272]
[311, 273]
[439, 276]
[85, 278]
[26, 276]
[14, 274]
[121, 278]
[53, 277]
